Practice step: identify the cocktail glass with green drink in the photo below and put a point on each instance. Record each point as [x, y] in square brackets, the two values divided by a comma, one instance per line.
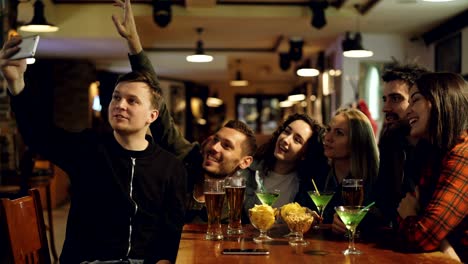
[351, 217]
[320, 199]
[268, 198]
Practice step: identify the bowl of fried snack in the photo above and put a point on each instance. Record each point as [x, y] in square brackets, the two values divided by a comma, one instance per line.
[262, 218]
[299, 220]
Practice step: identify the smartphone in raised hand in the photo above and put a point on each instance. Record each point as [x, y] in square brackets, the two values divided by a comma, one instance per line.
[27, 47]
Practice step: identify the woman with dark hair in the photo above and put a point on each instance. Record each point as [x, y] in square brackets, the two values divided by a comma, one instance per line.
[435, 216]
[288, 162]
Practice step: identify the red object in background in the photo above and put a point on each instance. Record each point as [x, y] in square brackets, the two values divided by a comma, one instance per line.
[362, 106]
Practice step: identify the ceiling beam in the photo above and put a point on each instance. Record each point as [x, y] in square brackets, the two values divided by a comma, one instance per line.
[200, 3]
[272, 49]
[337, 3]
[449, 27]
[365, 7]
[212, 3]
[263, 3]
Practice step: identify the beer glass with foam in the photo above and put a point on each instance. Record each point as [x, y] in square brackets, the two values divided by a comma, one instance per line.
[214, 198]
[235, 189]
[352, 192]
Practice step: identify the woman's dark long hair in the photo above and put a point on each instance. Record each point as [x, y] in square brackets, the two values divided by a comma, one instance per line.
[449, 111]
[314, 161]
[447, 122]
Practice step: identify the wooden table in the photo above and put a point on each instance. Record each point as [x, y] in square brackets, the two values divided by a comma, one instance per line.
[324, 247]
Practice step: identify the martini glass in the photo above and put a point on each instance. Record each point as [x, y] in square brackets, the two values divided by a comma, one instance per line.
[268, 198]
[351, 217]
[352, 193]
[320, 200]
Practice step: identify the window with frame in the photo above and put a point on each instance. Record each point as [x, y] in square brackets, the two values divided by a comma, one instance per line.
[261, 112]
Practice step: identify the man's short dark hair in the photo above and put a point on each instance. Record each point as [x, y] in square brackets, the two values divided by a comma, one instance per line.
[407, 73]
[144, 77]
[250, 144]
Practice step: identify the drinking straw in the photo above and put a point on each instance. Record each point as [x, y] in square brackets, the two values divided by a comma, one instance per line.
[315, 186]
[259, 181]
[367, 207]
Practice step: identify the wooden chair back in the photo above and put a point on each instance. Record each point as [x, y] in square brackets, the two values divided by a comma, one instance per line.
[25, 228]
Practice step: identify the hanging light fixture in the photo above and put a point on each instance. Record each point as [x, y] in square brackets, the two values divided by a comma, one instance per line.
[295, 48]
[352, 47]
[306, 69]
[239, 81]
[38, 22]
[284, 61]
[318, 13]
[298, 93]
[285, 104]
[162, 12]
[199, 55]
[214, 101]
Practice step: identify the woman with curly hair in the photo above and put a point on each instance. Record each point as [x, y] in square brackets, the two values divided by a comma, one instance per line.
[287, 163]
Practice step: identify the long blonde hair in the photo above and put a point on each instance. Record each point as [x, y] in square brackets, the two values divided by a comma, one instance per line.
[362, 145]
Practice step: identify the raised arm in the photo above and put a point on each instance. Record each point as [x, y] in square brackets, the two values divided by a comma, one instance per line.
[163, 129]
[34, 124]
[126, 27]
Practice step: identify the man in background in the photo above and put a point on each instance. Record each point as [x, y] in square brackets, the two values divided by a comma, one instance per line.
[230, 149]
[397, 163]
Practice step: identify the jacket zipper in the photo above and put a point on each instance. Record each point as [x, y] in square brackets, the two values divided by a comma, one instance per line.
[136, 208]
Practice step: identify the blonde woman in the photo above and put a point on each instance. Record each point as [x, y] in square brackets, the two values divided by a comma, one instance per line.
[350, 145]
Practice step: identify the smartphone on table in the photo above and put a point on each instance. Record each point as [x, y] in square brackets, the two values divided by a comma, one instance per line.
[28, 47]
[246, 251]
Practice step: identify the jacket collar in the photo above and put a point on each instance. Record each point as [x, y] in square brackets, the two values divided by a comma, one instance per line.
[117, 148]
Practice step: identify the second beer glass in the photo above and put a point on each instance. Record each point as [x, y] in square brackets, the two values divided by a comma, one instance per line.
[235, 189]
[352, 192]
[214, 198]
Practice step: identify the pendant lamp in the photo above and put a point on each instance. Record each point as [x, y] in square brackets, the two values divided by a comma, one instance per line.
[352, 47]
[199, 56]
[39, 22]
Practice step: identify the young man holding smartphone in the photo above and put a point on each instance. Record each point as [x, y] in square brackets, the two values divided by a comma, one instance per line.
[128, 194]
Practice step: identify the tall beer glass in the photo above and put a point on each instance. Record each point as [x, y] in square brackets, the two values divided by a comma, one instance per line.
[214, 198]
[235, 189]
[352, 192]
